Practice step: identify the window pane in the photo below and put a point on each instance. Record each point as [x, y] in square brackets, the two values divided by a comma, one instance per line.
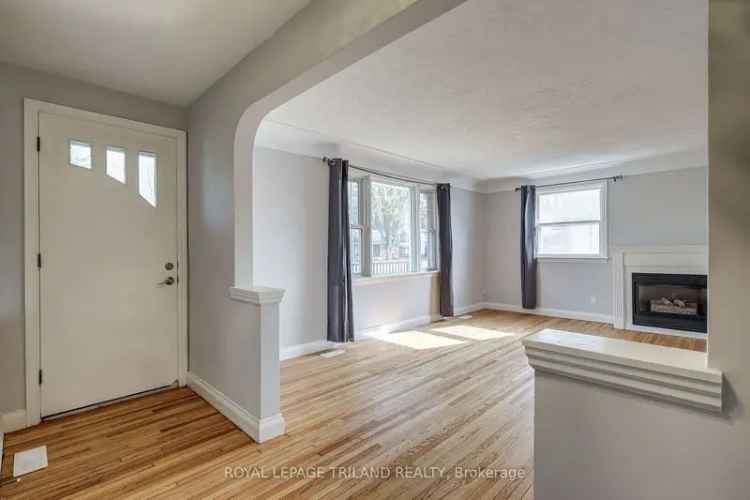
[426, 211]
[356, 244]
[569, 239]
[147, 177]
[391, 229]
[570, 206]
[354, 203]
[116, 163]
[427, 261]
[80, 154]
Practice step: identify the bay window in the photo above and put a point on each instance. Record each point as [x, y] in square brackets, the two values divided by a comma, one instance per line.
[392, 226]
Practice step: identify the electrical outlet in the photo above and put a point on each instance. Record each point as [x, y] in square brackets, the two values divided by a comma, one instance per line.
[592, 299]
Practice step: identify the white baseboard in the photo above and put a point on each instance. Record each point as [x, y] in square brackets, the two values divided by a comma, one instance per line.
[557, 313]
[458, 311]
[399, 325]
[12, 421]
[298, 350]
[415, 322]
[259, 429]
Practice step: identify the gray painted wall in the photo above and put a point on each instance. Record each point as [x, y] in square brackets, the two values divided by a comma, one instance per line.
[665, 208]
[15, 84]
[291, 248]
[629, 447]
[321, 39]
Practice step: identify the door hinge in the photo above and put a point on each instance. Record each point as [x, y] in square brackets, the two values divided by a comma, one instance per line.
[39, 260]
[38, 143]
[40, 377]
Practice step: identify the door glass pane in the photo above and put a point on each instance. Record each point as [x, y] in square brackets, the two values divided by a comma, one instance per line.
[391, 229]
[570, 206]
[147, 177]
[116, 163]
[569, 239]
[80, 154]
[356, 243]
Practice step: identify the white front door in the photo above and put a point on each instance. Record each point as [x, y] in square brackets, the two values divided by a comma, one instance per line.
[108, 254]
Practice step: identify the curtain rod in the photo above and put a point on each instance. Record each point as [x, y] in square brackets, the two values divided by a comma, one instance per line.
[390, 176]
[614, 178]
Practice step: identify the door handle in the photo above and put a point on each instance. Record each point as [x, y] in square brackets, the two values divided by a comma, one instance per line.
[169, 281]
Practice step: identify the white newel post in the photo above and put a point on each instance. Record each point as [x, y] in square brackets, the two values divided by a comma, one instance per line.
[270, 422]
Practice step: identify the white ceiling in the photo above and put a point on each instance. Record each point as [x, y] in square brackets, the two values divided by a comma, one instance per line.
[168, 50]
[500, 88]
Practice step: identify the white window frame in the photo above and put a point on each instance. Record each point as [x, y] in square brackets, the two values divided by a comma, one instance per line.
[603, 222]
[363, 223]
[432, 191]
[365, 180]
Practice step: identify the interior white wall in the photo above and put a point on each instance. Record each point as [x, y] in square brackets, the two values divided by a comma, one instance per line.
[291, 251]
[664, 208]
[16, 83]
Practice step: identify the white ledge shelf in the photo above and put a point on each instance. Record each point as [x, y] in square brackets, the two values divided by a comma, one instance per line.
[259, 295]
[675, 375]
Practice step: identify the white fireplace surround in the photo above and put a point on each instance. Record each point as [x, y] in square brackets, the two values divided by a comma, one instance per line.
[685, 259]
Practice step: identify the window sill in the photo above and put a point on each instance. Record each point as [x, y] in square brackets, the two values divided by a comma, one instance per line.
[376, 280]
[574, 260]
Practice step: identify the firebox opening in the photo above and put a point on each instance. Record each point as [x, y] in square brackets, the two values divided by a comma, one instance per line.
[672, 301]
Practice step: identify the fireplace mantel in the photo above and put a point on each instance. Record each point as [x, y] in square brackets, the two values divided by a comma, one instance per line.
[684, 259]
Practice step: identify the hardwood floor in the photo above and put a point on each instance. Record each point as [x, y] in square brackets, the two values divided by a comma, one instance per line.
[457, 394]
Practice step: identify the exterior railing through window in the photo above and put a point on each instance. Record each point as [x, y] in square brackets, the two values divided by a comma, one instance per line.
[390, 267]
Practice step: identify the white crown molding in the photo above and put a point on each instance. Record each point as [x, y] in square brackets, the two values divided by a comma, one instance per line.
[260, 429]
[295, 140]
[299, 141]
[645, 166]
[670, 374]
[259, 295]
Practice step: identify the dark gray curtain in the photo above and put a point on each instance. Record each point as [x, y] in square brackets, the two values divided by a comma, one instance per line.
[340, 316]
[445, 236]
[528, 237]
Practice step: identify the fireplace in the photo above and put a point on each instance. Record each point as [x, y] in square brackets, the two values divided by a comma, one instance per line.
[672, 301]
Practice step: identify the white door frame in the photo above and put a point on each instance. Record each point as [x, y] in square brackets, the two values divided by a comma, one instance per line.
[32, 108]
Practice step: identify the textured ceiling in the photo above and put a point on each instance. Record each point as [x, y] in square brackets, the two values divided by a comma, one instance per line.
[499, 88]
[168, 50]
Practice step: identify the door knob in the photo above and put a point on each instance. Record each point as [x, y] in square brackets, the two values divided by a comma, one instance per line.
[168, 281]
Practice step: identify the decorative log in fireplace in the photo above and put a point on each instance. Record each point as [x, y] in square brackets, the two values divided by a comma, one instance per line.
[671, 301]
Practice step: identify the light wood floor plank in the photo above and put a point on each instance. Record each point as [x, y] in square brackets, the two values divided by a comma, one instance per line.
[381, 404]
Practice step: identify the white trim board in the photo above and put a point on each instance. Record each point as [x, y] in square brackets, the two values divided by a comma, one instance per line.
[12, 421]
[260, 429]
[297, 350]
[395, 326]
[32, 108]
[415, 322]
[556, 313]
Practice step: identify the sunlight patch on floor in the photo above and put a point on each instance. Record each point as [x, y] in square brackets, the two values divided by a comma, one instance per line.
[416, 340]
[472, 332]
